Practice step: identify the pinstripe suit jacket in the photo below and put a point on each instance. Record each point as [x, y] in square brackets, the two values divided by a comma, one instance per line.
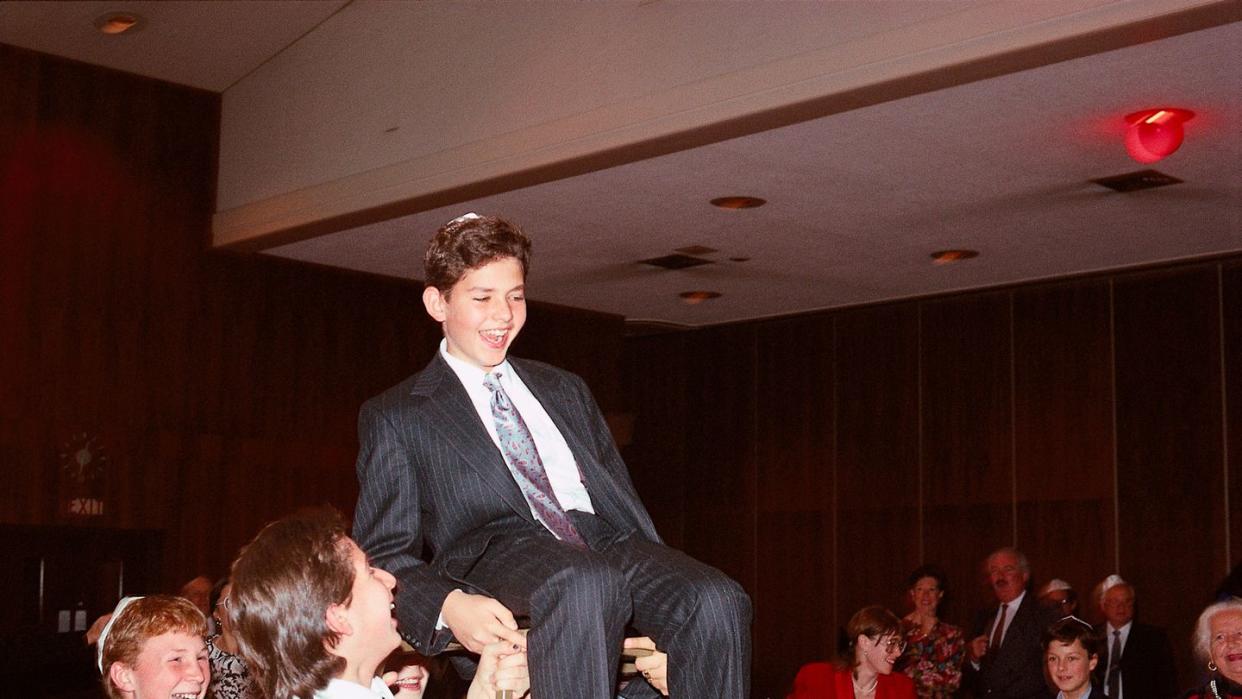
[434, 490]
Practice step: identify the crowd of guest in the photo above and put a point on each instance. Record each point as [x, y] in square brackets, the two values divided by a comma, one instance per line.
[1027, 645]
[304, 614]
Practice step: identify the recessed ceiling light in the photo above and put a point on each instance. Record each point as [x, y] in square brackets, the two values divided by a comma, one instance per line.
[118, 22]
[738, 202]
[696, 297]
[944, 257]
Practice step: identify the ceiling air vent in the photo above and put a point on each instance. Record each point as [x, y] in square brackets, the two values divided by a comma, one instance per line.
[675, 261]
[696, 250]
[1134, 181]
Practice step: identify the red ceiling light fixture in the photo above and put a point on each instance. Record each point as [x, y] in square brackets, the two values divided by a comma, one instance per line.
[1155, 134]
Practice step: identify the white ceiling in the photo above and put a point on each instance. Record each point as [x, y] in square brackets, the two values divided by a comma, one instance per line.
[209, 45]
[858, 200]
[858, 197]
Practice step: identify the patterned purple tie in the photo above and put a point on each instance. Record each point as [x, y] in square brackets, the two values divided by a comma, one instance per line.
[526, 466]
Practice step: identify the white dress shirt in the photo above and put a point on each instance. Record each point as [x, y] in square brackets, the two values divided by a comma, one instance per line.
[1010, 612]
[1108, 658]
[1085, 695]
[554, 452]
[341, 689]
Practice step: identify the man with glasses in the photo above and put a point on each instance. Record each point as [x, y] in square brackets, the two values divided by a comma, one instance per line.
[1058, 596]
[1138, 661]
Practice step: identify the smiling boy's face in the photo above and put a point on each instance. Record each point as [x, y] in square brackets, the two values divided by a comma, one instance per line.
[1069, 666]
[483, 313]
[370, 607]
[172, 664]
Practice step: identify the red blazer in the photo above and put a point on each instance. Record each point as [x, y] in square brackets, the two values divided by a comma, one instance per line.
[825, 681]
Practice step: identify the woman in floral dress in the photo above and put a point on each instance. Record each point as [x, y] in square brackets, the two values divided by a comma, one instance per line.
[934, 649]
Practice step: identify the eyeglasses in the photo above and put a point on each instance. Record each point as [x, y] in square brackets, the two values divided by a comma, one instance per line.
[1224, 638]
[891, 643]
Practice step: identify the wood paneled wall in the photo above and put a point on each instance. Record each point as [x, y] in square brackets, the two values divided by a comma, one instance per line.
[1093, 423]
[224, 389]
[817, 459]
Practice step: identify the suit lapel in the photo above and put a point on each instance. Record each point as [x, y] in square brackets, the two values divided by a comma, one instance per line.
[1012, 646]
[453, 415]
[556, 401]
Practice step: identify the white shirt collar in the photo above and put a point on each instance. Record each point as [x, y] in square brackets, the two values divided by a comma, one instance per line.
[1016, 601]
[1125, 629]
[1085, 695]
[469, 374]
[341, 689]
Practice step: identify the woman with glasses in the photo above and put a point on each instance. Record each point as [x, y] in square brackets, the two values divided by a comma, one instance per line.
[230, 678]
[1218, 644]
[934, 649]
[866, 671]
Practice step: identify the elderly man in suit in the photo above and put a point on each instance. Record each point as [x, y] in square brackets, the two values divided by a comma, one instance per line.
[491, 488]
[1139, 660]
[1005, 657]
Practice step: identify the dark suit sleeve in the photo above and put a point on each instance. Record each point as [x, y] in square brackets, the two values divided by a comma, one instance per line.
[388, 524]
[970, 674]
[1164, 672]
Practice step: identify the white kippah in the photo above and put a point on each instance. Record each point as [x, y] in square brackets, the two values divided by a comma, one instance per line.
[1054, 585]
[103, 635]
[1109, 583]
[464, 217]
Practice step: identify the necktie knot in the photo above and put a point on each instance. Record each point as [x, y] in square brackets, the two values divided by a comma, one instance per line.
[492, 381]
[500, 399]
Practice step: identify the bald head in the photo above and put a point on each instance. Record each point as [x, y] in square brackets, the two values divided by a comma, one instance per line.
[1118, 604]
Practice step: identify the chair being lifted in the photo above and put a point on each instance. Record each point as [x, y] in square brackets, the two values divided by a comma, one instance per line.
[628, 656]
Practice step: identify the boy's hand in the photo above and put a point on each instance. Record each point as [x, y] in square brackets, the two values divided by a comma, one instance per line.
[478, 620]
[653, 667]
[502, 665]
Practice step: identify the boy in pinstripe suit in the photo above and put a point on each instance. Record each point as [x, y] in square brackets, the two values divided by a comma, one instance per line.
[491, 488]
